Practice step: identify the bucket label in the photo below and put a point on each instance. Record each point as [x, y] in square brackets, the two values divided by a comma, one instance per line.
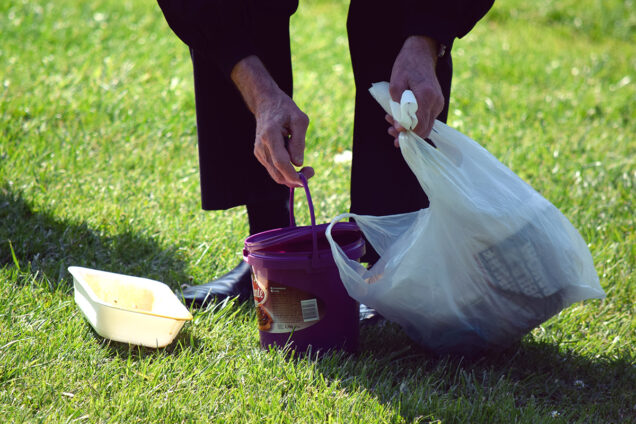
[283, 309]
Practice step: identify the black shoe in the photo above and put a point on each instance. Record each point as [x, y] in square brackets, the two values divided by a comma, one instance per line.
[236, 283]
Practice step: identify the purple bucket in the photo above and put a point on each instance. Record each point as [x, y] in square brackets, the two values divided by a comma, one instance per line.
[299, 296]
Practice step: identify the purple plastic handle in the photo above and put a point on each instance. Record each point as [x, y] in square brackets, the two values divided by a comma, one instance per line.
[310, 203]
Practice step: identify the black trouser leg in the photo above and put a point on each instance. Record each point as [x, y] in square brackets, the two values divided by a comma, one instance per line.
[267, 215]
[230, 173]
[381, 181]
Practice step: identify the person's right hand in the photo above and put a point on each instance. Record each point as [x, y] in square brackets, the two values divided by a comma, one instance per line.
[280, 125]
[280, 138]
[414, 69]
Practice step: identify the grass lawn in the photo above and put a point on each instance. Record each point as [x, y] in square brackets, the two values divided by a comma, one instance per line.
[98, 168]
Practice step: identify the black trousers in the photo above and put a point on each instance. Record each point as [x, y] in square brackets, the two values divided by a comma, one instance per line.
[381, 182]
[230, 173]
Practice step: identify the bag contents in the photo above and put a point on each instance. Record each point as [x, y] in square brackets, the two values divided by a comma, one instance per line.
[489, 260]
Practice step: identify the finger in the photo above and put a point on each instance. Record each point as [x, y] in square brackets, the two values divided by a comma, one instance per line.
[264, 158]
[298, 128]
[431, 104]
[427, 126]
[392, 132]
[423, 127]
[396, 142]
[435, 108]
[276, 176]
[437, 111]
[430, 125]
[395, 125]
[397, 86]
[308, 172]
[263, 150]
[260, 154]
[281, 161]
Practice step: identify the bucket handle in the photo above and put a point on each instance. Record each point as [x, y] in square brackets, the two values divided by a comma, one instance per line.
[292, 219]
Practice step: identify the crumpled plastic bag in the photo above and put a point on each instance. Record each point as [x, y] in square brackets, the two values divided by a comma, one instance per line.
[489, 260]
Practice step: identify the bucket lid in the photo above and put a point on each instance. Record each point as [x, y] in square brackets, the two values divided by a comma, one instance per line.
[294, 246]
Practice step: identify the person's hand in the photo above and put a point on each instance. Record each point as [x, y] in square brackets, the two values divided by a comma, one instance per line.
[414, 69]
[280, 139]
[280, 125]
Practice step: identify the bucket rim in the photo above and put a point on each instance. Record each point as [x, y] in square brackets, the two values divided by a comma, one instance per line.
[305, 259]
[269, 238]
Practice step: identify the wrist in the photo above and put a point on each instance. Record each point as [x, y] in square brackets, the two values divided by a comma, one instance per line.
[255, 84]
[427, 46]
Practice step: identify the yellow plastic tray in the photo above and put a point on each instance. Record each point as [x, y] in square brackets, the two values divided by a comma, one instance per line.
[128, 309]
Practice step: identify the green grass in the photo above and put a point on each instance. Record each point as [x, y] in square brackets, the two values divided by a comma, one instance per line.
[98, 167]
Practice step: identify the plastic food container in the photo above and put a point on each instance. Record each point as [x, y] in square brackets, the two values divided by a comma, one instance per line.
[128, 309]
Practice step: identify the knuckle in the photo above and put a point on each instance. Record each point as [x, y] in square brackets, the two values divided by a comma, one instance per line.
[397, 85]
[300, 119]
[278, 162]
[427, 91]
[268, 134]
[268, 127]
[304, 119]
[269, 142]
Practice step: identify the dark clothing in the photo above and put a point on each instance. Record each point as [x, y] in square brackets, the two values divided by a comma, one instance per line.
[381, 181]
[219, 34]
[222, 32]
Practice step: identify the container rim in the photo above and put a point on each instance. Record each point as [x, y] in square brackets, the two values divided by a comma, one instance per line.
[266, 239]
[96, 299]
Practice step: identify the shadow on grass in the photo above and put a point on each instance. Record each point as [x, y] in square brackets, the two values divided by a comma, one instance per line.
[540, 375]
[185, 341]
[48, 245]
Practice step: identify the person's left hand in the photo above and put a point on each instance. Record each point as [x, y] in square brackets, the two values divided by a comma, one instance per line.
[414, 69]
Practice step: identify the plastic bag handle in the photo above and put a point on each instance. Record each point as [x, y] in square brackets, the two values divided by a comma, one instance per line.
[310, 203]
[350, 270]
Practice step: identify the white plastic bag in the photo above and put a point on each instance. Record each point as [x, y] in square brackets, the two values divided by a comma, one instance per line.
[488, 260]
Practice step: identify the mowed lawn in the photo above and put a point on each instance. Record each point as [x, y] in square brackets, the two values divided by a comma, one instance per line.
[98, 168]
